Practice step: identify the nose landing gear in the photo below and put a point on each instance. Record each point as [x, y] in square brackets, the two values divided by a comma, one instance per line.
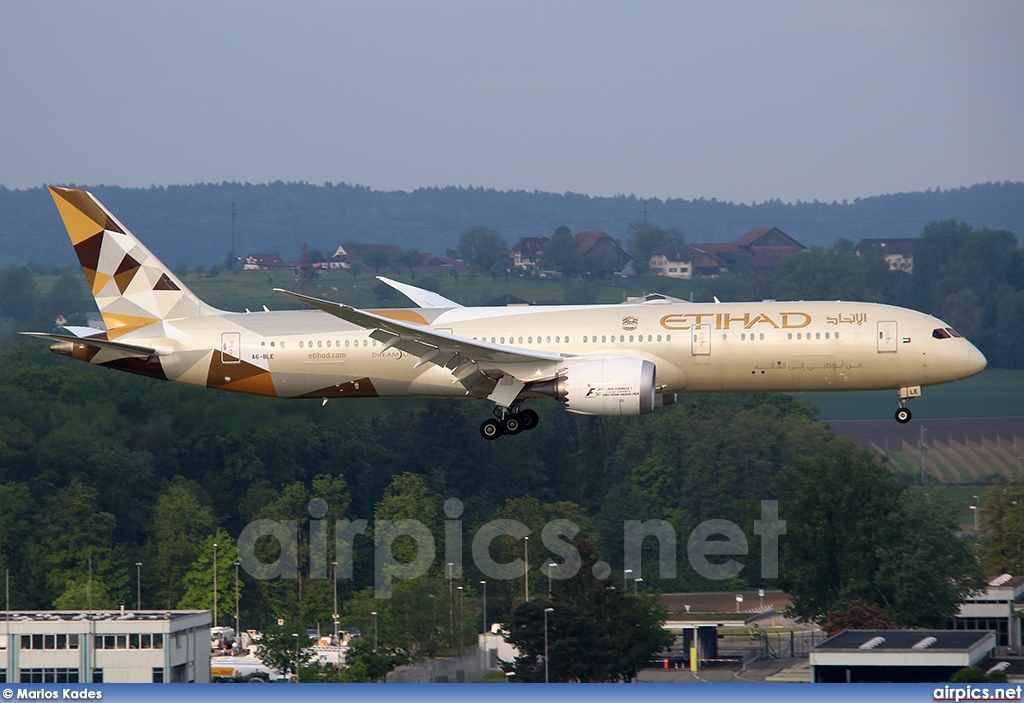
[903, 413]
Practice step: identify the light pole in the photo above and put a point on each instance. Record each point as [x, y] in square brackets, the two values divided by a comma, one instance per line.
[484, 584]
[625, 577]
[335, 641]
[451, 600]
[374, 614]
[238, 627]
[462, 593]
[526, 566]
[215, 584]
[974, 509]
[295, 635]
[550, 566]
[635, 582]
[546, 611]
[138, 585]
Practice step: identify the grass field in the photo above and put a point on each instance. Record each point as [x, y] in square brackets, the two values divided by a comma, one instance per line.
[992, 393]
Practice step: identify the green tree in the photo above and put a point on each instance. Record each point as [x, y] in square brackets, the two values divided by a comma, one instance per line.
[644, 239]
[482, 247]
[199, 580]
[595, 632]
[410, 259]
[1001, 547]
[853, 532]
[181, 519]
[378, 259]
[286, 648]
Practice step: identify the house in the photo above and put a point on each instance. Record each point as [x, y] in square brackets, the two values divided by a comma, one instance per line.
[527, 252]
[674, 262]
[265, 262]
[350, 252]
[758, 250]
[604, 255]
[898, 253]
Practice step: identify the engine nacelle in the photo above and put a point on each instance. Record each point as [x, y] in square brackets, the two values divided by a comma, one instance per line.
[609, 386]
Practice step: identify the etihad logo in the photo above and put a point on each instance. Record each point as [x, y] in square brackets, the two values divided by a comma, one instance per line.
[630, 322]
[725, 321]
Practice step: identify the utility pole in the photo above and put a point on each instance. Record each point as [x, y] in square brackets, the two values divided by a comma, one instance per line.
[924, 454]
[231, 263]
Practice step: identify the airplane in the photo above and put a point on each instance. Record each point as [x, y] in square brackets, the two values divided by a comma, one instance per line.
[625, 359]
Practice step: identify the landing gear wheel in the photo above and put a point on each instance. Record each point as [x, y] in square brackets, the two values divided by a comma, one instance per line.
[512, 425]
[528, 419]
[903, 416]
[491, 429]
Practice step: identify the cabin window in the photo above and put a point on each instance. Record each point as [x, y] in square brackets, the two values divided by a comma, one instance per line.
[558, 340]
[761, 335]
[548, 339]
[319, 343]
[584, 339]
[799, 336]
[603, 338]
[263, 344]
[328, 344]
[300, 344]
[520, 340]
[659, 337]
[529, 340]
[817, 335]
[281, 344]
[668, 338]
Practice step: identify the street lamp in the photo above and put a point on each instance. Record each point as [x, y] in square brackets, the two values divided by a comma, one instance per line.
[526, 566]
[335, 641]
[138, 585]
[215, 584]
[550, 566]
[374, 614]
[451, 600]
[238, 627]
[484, 584]
[295, 635]
[546, 611]
[637, 580]
[462, 593]
[974, 509]
[625, 576]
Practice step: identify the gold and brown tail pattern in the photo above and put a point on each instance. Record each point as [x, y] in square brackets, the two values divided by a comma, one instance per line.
[132, 288]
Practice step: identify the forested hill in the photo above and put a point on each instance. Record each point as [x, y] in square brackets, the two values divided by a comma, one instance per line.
[192, 224]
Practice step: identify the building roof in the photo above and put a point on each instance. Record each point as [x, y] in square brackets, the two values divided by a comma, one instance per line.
[530, 247]
[96, 615]
[904, 640]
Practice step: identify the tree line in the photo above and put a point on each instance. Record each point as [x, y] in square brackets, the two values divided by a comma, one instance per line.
[101, 471]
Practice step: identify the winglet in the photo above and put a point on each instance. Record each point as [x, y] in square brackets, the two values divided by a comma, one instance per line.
[422, 297]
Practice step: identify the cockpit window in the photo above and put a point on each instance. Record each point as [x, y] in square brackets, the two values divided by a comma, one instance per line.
[954, 333]
[940, 333]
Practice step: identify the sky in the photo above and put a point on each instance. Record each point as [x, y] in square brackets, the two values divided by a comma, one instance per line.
[739, 101]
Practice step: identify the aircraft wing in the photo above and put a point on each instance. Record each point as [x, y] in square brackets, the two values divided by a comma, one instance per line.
[423, 298]
[122, 347]
[462, 355]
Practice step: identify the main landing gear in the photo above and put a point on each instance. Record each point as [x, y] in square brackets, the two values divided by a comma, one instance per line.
[510, 421]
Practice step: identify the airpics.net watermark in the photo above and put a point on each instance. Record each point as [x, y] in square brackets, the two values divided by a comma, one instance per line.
[711, 538]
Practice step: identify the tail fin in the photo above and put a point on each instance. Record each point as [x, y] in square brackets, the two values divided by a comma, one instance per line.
[132, 288]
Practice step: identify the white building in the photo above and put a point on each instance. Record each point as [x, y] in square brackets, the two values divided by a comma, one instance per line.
[118, 646]
[993, 610]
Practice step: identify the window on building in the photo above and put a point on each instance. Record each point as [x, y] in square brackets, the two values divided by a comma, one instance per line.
[97, 675]
[158, 674]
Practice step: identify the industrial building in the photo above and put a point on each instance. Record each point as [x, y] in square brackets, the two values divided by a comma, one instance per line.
[993, 610]
[115, 646]
[899, 656]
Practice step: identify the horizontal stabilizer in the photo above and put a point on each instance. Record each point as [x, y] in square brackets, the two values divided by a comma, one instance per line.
[123, 347]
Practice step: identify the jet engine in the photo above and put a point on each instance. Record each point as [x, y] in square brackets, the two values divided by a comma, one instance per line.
[608, 386]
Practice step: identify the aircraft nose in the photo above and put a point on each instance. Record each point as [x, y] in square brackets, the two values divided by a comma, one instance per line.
[976, 361]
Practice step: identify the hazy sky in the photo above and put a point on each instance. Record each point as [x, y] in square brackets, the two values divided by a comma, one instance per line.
[740, 101]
